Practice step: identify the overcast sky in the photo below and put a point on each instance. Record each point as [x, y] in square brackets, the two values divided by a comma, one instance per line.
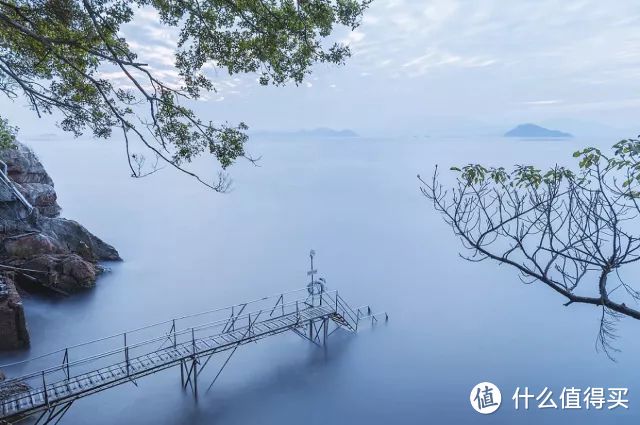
[432, 66]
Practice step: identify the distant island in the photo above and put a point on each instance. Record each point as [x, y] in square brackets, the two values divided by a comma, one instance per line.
[532, 130]
[316, 133]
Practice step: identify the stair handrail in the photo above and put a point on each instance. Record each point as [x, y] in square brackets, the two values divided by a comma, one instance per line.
[11, 185]
[349, 313]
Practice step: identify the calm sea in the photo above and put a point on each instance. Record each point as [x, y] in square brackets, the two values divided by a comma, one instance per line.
[357, 202]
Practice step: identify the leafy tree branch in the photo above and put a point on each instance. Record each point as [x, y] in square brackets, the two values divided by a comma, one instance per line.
[572, 231]
[52, 53]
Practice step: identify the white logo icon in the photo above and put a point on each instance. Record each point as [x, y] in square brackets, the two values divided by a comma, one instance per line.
[485, 398]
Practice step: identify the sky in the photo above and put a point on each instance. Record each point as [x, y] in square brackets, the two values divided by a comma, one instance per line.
[428, 67]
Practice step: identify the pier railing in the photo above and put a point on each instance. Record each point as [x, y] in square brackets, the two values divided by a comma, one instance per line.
[58, 368]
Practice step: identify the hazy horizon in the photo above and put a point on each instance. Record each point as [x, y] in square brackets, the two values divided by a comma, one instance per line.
[443, 67]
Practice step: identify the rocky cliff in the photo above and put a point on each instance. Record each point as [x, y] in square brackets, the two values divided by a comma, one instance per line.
[39, 248]
[13, 329]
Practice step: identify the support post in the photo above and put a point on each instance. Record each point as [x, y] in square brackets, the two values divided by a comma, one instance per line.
[126, 352]
[195, 364]
[195, 378]
[325, 323]
[65, 363]
[44, 388]
[175, 337]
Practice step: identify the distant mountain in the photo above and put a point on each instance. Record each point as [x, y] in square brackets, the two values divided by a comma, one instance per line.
[327, 132]
[316, 133]
[532, 130]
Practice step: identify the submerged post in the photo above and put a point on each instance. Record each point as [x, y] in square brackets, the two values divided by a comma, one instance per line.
[195, 364]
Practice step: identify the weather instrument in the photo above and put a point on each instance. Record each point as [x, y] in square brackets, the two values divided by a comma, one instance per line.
[315, 287]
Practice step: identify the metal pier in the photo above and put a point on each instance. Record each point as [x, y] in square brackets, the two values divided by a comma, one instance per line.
[46, 386]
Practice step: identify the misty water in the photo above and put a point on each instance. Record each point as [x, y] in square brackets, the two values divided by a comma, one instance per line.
[357, 202]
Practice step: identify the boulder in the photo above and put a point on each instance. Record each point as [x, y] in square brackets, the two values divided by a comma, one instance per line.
[31, 179]
[29, 244]
[24, 166]
[13, 327]
[62, 273]
[41, 196]
[77, 239]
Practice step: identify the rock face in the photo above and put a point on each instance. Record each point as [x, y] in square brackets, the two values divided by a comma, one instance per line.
[13, 328]
[40, 247]
[31, 179]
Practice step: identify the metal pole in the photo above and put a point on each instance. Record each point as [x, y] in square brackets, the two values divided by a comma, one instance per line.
[326, 331]
[174, 334]
[126, 352]
[195, 378]
[195, 364]
[44, 386]
[66, 362]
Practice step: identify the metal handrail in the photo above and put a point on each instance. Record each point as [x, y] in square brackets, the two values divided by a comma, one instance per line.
[9, 183]
[184, 337]
[45, 372]
[121, 349]
[165, 322]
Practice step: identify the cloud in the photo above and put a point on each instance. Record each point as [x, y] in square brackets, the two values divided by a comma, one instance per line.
[455, 57]
[543, 102]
